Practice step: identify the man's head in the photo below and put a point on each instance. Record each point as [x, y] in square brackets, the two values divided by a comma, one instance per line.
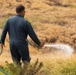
[20, 10]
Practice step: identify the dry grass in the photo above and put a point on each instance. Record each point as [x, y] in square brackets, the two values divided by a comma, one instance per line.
[54, 21]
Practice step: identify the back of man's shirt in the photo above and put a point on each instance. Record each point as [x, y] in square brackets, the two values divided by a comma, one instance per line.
[18, 28]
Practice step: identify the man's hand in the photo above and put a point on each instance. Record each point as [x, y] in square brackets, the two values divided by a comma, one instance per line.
[41, 45]
[1, 46]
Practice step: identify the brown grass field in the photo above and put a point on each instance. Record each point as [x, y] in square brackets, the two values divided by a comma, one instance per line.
[54, 21]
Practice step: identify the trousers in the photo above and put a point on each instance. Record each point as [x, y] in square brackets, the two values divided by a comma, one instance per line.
[19, 50]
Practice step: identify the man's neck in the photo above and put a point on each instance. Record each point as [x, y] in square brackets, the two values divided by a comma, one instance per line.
[20, 15]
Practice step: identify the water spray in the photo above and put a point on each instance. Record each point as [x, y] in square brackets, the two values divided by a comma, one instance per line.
[66, 49]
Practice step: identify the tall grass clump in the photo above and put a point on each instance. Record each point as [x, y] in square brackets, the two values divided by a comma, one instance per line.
[59, 67]
[27, 69]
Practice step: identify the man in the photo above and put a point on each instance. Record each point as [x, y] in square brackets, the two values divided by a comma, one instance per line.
[18, 29]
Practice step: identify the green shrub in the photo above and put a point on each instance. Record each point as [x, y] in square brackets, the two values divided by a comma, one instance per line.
[27, 69]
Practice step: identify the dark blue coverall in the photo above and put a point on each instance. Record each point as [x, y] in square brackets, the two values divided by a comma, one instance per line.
[18, 29]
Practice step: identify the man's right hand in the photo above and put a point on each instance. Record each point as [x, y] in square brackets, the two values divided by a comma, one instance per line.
[41, 45]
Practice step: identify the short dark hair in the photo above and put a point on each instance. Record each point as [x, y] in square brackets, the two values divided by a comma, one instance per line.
[20, 8]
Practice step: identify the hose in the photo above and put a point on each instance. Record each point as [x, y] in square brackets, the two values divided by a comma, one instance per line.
[3, 72]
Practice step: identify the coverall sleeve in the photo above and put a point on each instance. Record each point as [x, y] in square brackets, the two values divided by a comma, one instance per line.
[4, 32]
[32, 34]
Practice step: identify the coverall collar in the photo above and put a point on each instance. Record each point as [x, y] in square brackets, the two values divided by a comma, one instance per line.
[19, 15]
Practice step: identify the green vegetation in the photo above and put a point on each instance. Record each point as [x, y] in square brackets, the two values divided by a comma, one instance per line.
[27, 69]
[1, 73]
[54, 67]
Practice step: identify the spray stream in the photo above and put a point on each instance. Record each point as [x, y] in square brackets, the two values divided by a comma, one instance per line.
[66, 49]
